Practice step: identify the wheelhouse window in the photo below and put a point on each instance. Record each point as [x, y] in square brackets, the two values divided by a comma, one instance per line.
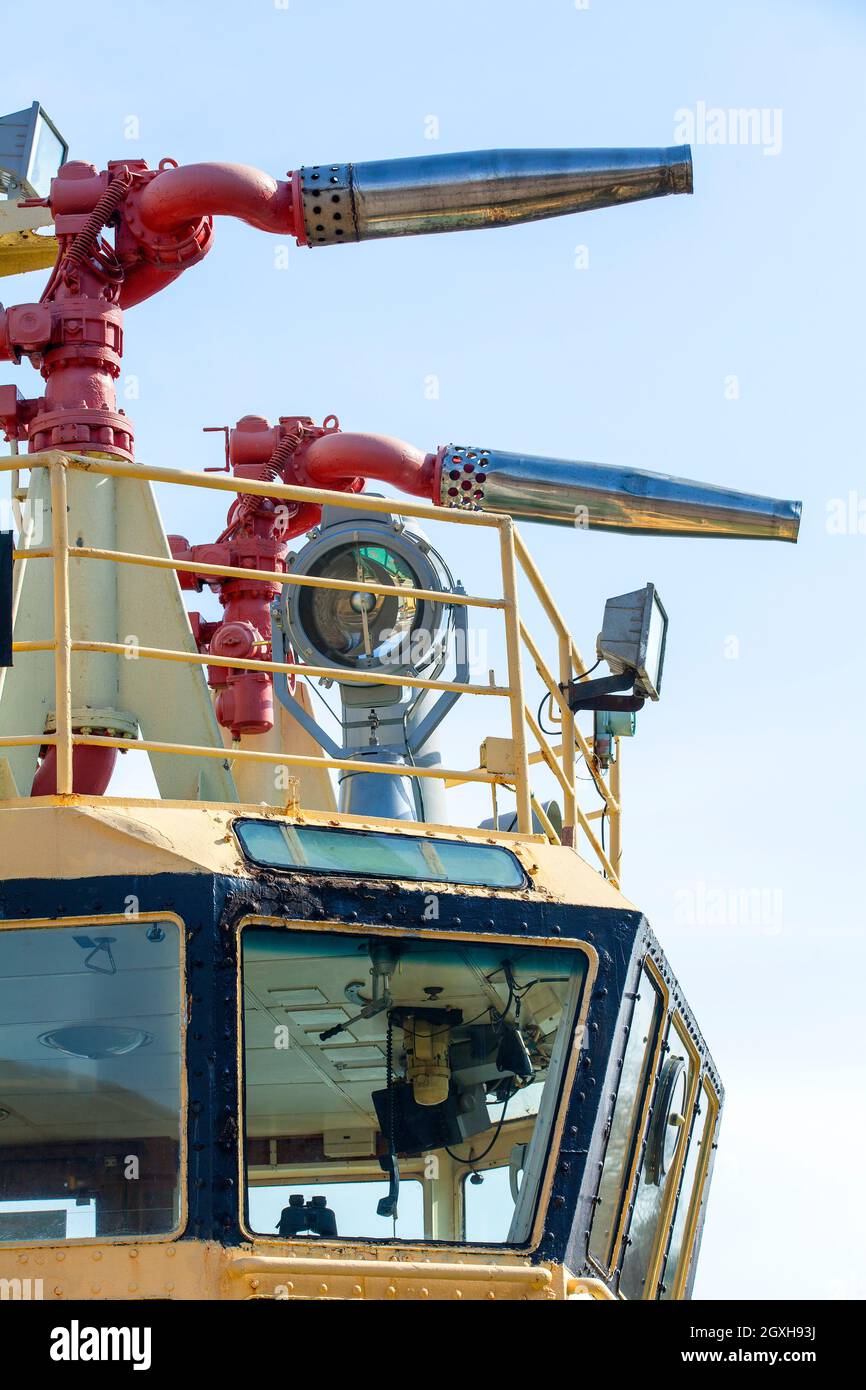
[90, 1081]
[691, 1196]
[380, 1072]
[489, 1197]
[667, 1136]
[373, 854]
[635, 1078]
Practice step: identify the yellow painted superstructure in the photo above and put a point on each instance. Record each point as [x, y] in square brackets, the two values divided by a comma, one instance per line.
[75, 844]
[61, 839]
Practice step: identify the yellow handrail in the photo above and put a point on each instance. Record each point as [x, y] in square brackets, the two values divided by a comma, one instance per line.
[194, 750]
[515, 560]
[348, 586]
[289, 668]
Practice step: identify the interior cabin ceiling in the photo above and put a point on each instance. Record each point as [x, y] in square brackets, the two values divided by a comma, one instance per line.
[50, 1095]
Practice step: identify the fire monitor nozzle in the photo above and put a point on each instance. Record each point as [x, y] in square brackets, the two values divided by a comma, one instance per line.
[594, 496]
[480, 188]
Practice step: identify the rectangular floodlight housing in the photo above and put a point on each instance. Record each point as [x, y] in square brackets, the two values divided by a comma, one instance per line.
[31, 152]
[633, 636]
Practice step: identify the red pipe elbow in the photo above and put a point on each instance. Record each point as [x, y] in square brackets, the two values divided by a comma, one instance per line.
[336, 459]
[180, 196]
[143, 281]
[91, 771]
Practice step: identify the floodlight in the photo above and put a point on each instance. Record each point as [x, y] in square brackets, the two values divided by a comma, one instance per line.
[32, 150]
[632, 642]
[632, 638]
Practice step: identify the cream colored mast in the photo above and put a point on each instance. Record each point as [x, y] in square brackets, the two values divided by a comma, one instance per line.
[139, 607]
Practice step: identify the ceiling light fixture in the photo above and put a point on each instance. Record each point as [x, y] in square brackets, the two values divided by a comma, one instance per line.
[95, 1042]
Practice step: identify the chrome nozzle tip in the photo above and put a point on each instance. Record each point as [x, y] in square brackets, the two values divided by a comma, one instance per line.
[681, 169]
[791, 529]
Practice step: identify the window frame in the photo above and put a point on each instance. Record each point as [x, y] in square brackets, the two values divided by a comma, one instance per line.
[640, 1129]
[440, 884]
[677, 1024]
[566, 1081]
[414, 1174]
[121, 919]
[487, 1165]
[706, 1090]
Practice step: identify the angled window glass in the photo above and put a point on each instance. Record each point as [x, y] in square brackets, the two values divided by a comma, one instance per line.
[692, 1194]
[478, 1034]
[628, 1109]
[488, 1200]
[659, 1171]
[90, 1081]
[373, 854]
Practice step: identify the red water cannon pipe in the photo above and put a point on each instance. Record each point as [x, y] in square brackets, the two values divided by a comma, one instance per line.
[163, 223]
[91, 771]
[74, 335]
[332, 460]
[181, 196]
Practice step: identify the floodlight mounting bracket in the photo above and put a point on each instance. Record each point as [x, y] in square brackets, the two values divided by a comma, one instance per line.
[597, 694]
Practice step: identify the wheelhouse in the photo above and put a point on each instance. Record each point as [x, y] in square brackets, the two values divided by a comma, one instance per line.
[358, 1046]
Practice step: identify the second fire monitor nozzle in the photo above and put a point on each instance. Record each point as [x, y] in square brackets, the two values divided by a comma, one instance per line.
[600, 497]
[480, 188]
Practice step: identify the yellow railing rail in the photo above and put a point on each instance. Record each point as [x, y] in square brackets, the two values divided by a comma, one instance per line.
[560, 759]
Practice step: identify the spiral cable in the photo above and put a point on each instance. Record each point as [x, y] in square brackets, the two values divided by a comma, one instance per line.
[85, 242]
[272, 471]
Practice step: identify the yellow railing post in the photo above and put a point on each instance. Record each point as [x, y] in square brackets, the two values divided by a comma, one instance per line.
[62, 629]
[515, 676]
[569, 810]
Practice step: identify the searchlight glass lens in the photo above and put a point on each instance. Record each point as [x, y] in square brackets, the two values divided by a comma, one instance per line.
[356, 628]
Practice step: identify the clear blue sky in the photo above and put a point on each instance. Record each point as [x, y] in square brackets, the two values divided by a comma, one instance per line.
[749, 775]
